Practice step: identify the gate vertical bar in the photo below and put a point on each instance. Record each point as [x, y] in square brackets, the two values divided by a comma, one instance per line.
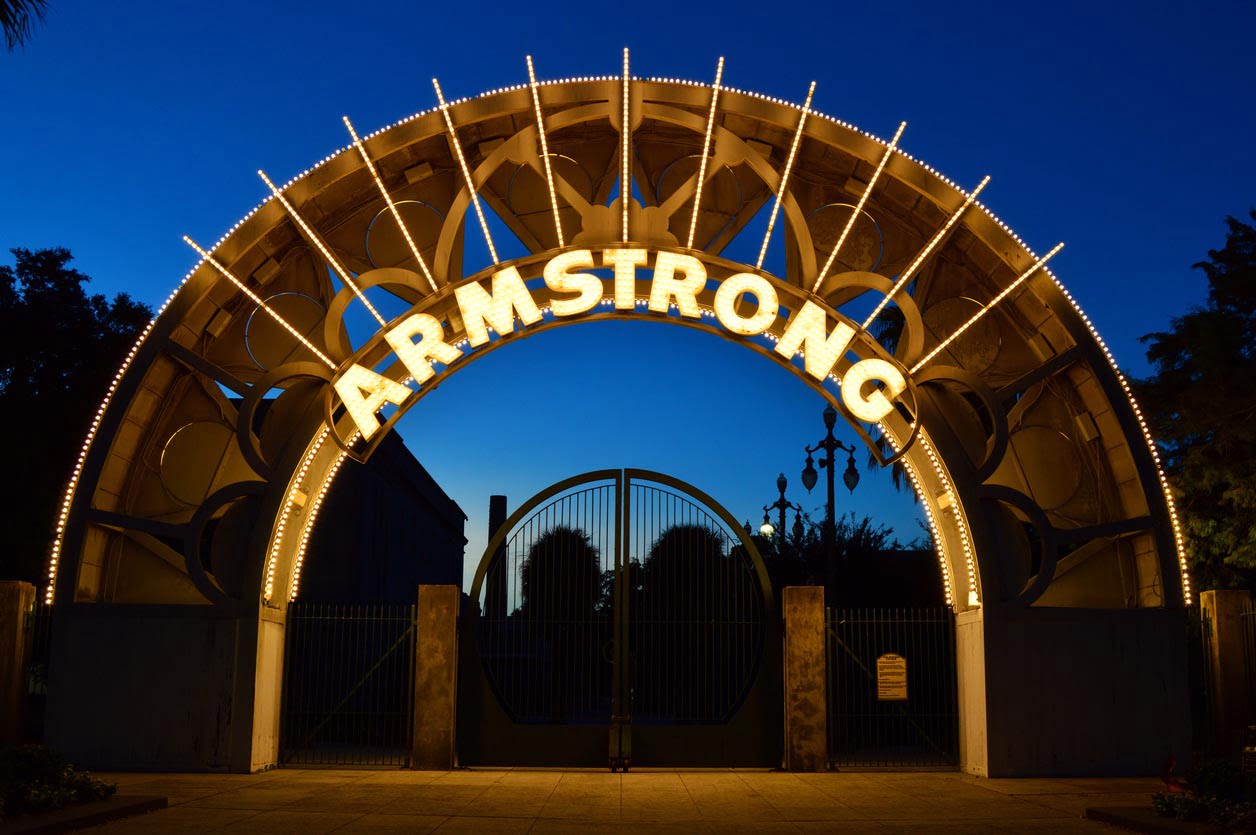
[620, 750]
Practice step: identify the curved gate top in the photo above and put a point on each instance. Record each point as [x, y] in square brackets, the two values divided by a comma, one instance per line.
[623, 616]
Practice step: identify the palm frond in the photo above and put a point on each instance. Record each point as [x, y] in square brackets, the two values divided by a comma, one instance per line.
[19, 18]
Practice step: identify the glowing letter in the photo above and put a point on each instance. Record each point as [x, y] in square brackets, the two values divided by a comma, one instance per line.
[666, 286]
[625, 262]
[416, 358]
[560, 280]
[806, 330]
[726, 304]
[876, 404]
[480, 309]
[378, 389]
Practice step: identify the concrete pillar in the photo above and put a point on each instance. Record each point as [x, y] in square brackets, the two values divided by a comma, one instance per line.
[970, 661]
[267, 690]
[435, 677]
[16, 601]
[1227, 666]
[806, 704]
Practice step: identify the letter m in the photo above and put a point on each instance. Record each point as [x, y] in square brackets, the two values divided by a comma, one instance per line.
[482, 310]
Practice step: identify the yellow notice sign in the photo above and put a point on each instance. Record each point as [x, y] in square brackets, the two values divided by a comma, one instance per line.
[892, 678]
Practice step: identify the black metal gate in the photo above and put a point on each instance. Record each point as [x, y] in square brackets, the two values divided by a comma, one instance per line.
[348, 690]
[900, 717]
[623, 618]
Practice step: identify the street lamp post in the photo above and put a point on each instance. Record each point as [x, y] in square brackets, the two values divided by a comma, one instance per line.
[829, 445]
[781, 505]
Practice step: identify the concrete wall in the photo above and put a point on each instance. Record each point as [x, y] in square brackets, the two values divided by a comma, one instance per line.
[1074, 692]
[151, 687]
[16, 600]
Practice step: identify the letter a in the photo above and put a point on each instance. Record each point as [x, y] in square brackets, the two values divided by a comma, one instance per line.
[357, 381]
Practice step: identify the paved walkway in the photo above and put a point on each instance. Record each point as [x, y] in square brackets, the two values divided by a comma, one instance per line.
[540, 802]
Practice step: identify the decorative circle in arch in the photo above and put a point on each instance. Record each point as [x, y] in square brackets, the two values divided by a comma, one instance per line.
[617, 128]
[302, 311]
[421, 213]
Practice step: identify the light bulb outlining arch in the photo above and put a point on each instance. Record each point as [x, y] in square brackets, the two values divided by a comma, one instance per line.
[688, 110]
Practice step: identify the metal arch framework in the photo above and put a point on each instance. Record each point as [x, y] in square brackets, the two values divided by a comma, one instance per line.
[1032, 460]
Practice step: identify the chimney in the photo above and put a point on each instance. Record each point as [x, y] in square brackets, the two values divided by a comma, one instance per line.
[496, 582]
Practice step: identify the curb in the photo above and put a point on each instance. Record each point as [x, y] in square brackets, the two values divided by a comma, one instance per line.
[1144, 819]
[82, 815]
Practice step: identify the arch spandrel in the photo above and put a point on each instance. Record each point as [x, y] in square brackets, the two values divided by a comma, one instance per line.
[1111, 535]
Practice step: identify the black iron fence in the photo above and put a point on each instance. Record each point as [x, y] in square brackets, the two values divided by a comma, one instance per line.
[892, 688]
[348, 691]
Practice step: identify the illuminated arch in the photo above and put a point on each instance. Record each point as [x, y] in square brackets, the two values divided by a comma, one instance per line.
[1002, 415]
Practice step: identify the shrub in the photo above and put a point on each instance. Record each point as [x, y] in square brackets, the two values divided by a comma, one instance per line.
[1214, 791]
[1216, 778]
[1183, 806]
[34, 778]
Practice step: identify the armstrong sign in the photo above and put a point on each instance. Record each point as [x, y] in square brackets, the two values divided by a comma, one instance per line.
[745, 304]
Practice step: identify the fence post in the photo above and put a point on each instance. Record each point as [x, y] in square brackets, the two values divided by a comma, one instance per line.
[806, 705]
[435, 677]
[1231, 684]
[17, 599]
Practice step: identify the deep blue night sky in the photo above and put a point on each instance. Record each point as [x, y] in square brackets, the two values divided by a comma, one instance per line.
[1124, 130]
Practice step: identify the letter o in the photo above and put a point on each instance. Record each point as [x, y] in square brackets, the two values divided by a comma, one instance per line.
[765, 296]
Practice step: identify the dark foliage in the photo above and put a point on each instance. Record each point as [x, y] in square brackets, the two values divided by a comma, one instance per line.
[18, 19]
[1214, 791]
[59, 348]
[34, 778]
[561, 577]
[688, 661]
[1201, 403]
[875, 568]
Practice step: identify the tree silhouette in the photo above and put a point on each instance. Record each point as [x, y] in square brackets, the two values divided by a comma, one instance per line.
[564, 622]
[59, 348]
[561, 577]
[686, 574]
[696, 617]
[1201, 404]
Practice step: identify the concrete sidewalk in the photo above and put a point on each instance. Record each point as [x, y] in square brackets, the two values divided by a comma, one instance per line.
[539, 802]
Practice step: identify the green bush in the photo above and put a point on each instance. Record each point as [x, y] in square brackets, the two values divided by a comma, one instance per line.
[1182, 806]
[1216, 778]
[1214, 792]
[34, 778]
[1162, 802]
